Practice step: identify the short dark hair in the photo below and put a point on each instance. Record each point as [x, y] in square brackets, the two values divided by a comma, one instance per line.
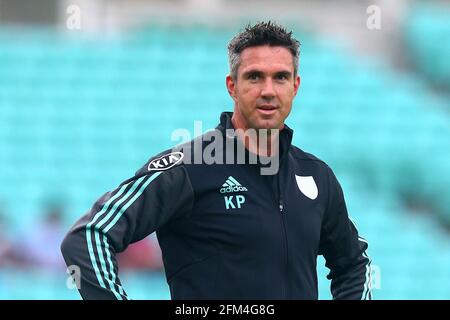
[262, 33]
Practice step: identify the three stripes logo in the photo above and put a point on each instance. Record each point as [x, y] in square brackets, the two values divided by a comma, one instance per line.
[232, 185]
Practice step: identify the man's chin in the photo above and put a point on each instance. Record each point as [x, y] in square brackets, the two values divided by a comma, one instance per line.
[267, 124]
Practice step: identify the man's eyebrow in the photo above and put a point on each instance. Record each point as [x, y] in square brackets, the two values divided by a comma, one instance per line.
[285, 73]
[252, 72]
[257, 72]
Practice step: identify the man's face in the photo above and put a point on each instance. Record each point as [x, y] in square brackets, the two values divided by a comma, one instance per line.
[264, 88]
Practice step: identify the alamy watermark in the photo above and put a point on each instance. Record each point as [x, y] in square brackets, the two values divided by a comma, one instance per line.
[373, 21]
[375, 277]
[74, 279]
[229, 147]
[73, 21]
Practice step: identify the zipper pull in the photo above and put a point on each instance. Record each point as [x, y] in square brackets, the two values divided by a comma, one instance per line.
[281, 205]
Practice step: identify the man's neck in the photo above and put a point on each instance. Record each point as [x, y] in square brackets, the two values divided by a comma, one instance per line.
[265, 142]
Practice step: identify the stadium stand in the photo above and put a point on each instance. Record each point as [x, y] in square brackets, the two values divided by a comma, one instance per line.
[77, 117]
[427, 35]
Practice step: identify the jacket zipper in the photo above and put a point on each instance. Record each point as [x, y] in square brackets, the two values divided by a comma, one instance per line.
[285, 240]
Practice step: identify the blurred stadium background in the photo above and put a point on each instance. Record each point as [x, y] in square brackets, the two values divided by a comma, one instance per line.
[82, 106]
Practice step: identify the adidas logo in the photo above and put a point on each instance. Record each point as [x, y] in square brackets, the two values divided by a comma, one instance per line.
[232, 185]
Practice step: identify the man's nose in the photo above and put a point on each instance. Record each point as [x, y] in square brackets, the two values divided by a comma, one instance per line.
[268, 90]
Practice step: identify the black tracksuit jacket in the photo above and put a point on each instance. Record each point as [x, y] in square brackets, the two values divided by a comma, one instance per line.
[225, 230]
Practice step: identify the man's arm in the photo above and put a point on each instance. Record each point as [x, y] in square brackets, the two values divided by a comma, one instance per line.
[344, 250]
[128, 214]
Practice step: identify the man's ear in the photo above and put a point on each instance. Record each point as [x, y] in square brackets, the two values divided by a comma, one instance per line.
[231, 87]
[297, 81]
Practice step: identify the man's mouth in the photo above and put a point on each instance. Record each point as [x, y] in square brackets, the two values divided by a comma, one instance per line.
[267, 109]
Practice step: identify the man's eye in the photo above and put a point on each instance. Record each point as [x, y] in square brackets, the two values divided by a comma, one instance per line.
[281, 77]
[253, 77]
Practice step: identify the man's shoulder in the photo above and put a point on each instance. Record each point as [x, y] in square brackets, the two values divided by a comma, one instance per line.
[163, 161]
[181, 154]
[302, 155]
[311, 164]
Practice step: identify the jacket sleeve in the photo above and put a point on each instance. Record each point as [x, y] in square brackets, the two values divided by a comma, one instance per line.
[343, 249]
[129, 213]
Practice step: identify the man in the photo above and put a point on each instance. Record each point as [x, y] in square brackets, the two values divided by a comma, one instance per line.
[228, 231]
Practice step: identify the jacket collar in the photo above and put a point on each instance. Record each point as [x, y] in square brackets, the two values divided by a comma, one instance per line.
[286, 133]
